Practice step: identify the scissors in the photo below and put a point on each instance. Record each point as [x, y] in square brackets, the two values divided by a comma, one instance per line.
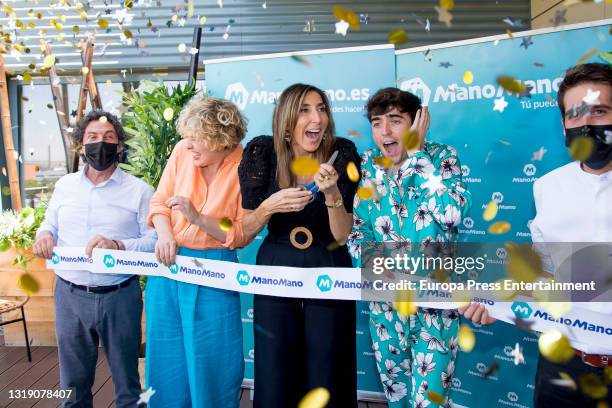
[312, 186]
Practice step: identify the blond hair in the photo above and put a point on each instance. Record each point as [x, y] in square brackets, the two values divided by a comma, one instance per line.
[215, 122]
[284, 120]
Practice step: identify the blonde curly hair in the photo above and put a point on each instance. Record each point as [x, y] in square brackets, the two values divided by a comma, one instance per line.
[215, 122]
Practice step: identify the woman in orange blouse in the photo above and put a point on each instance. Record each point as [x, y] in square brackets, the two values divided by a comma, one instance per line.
[194, 333]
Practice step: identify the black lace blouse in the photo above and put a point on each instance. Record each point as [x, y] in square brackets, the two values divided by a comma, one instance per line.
[257, 174]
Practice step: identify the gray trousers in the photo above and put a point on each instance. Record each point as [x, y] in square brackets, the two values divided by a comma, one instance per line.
[83, 319]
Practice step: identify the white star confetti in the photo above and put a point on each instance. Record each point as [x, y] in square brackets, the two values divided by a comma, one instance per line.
[226, 36]
[538, 155]
[182, 47]
[500, 104]
[146, 396]
[518, 355]
[220, 3]
[592, 97]
[433, 183]
[341, 27]
[264, 5]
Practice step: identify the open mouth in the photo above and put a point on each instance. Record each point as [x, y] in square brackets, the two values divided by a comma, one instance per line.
[312, 135]
[391, 147]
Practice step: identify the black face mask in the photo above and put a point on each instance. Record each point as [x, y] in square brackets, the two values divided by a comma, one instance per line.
[101, 155]
[602, 145]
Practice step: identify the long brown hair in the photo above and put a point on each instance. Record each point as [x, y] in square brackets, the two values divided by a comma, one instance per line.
[284, 119]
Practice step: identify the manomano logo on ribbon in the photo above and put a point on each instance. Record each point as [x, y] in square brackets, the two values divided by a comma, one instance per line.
[325, 284]
[110, 262]
[245, 279]
[55, 258]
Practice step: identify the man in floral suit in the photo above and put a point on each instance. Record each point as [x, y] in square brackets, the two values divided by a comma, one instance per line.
[419, 198]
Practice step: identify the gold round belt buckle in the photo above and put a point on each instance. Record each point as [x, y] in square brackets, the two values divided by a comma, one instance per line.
[306, 232]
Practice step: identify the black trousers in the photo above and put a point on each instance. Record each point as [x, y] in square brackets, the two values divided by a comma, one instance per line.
[548, 395]
[301, 344]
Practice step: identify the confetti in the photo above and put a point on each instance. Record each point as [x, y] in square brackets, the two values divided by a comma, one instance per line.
[435, 397]
[466, 338]
[6, 191]
[607, 375]
[85, 70]
[447, 4]
[365, 193]
[526, 42]
[335, 245]
[491, 370]
[592, 97]
[28, 283]
[27, 78]
[341, 27]
[565, 381]
[301, 60]
[103, 23]
[559, 17]
[315, 398]
[517, 353]
[109, 82]
[190, 8]
[524, 263]
[347, 15]
[468, 77]
[103, 119]
[510, 35]
[383, 161]
[500, 104]
[539, 154]
[146, 396]
[512, 22]
[444, 16]
[591, 385]
[581, 148]
[606, 56]
[225, 224]
[556, 309]
[48, 62]
[182, 47]
[587, 56]
[397, 37]
[411, 140]
[511, 84]
[404, 303]
[352, 172]
[304, 166]
[168, 114]
[364, 19]
[490, 211]
[499, 227]
[202, 20]
[446, 64]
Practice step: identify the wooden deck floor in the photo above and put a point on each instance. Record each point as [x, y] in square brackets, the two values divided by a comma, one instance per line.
[16, 373]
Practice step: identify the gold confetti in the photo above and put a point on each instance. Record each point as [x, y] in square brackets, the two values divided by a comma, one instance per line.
[225, 224]
[490, 211]
[190, 9]
[591, 385]
[128, 3]
[524, 263]
[168, 114]
[127, 34]
[466, 338]
[85, 70]
[315, 398]
[468, 77]
[607, 375]
[511, 84]
[565, 381]
[103, 24]
[365, 193]
[109, 82]
[28, 284]
[434, 396]
[27, 78]
[352, 172]
[383, 161]
[304, 166]
[499, 227]
[202, 20]
[182, 47]
[556, 309]
[411, 140]
[404, 304]
[6, 191]
[347, 15]
[447, 4]
[587, 56]
[103, 119]
[397, 37]
[555, 347]
[334, 245]
[75, 29]
[510, 34]
[581, 148]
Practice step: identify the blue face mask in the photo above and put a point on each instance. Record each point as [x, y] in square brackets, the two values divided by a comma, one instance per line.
[101, 155]
[601, 154]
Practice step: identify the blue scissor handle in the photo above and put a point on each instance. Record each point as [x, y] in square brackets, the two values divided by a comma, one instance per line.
[312, 187]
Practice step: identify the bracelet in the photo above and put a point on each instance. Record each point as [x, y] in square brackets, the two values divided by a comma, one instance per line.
[335, 204]
[116, 244]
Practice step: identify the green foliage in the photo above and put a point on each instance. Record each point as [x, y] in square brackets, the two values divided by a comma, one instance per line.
[18, 230]
[151, 137]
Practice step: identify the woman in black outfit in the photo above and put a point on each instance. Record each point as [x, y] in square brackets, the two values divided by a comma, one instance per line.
[301, 344]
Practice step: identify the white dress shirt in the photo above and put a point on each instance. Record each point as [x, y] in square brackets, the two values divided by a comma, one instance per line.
[116, 209]
[574, 206]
